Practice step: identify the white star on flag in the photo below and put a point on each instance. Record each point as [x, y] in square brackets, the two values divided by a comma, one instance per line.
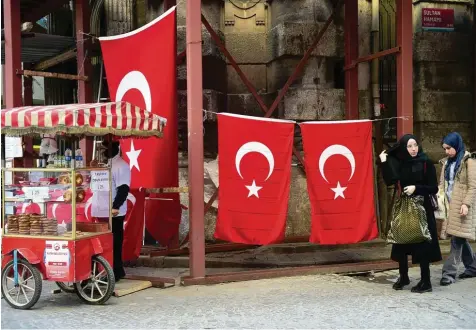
[133, 156]
[253, 189]
[339, 191]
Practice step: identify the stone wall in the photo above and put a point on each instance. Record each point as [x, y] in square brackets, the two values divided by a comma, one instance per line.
[443, 77]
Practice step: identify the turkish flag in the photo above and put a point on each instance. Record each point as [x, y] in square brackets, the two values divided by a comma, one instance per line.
[339, 170]
[141, 69]
[133, 225]
[254, 180]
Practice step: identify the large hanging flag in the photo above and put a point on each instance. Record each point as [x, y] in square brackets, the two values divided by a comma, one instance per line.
[339, 170]
[255, 176]
[141, 69]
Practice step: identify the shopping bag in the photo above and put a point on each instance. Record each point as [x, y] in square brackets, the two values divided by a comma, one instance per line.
[441, 209]
[409, 223]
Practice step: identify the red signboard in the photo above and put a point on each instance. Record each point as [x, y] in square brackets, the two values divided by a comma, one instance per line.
[437, 19]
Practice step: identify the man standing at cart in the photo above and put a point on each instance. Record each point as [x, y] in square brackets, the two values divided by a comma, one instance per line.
[121, 181]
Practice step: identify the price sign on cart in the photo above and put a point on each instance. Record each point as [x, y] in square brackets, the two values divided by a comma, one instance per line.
[36, 193]
[100, 180]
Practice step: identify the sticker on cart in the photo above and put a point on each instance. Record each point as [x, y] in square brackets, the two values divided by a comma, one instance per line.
[100, 180]
[57, 259]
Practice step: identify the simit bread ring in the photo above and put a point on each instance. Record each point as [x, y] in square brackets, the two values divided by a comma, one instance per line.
[64, 179]
[67, 195]
[79, 179]
[79, 195]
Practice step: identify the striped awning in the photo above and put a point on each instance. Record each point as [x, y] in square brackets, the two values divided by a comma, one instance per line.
[117, 118]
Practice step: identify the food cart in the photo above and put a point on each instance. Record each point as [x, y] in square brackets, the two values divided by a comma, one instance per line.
[37, 244]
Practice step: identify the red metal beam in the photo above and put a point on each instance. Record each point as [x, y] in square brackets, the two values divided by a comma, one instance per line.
[82, 19]
[195, 138]
[290, 271]
[243, 77]
[404, 16]
[351, 36]
[181, 57]
[84, 67]
[374, 56]
[210, 248]
[13, 85]
[210, 202]
[303, 61]
[233, 63]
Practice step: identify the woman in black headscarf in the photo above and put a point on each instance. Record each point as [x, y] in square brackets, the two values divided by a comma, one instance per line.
[409, 167]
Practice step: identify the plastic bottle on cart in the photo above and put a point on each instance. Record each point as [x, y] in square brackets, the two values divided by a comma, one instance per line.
[79, 158]
[67, 157]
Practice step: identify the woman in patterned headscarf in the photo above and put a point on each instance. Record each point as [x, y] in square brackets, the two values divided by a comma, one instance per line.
[415, 174]
[458, 188]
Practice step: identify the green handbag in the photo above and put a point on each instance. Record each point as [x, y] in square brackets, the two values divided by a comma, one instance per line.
[409, 223]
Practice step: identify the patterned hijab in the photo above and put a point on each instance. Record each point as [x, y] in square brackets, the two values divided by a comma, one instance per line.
[456, 141]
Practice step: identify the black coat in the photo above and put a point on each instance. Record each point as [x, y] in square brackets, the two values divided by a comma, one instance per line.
[422, 175]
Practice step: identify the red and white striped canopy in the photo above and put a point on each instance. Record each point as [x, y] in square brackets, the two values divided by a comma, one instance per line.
[118, 118]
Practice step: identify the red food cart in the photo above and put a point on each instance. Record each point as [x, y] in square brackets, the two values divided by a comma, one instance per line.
[37, 244]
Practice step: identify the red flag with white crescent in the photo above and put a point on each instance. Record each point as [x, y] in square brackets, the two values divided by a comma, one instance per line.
[133, 225]
[141, 69]
[339, 170]
[255, 176]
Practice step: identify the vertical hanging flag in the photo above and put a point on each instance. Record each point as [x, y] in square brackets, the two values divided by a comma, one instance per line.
[255, 176]
[339, 170]
[141, 69]
[133, 225]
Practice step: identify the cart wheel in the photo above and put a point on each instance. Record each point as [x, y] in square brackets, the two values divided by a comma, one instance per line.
[67, 287]
[28, 291]
[99, 288]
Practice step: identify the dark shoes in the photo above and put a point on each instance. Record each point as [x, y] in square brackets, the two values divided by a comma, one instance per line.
[465, 276]
[401, 282]
[422, 287]
[445, 282]
[118, 275]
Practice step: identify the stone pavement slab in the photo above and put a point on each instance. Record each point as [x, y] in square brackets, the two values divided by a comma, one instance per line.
[321, 301]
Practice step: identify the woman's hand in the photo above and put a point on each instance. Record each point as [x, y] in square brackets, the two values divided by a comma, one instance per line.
[464, 210]
[409, 190]
[383, 156]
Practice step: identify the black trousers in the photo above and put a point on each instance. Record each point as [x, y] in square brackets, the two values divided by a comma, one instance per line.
[424, 268]
[118, 238]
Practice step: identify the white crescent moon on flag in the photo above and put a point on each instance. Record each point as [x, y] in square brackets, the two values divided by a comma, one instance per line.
[55, 206]
[131, 198]
[88, 205]
[254, 147]
[332, 150]
[135, 80]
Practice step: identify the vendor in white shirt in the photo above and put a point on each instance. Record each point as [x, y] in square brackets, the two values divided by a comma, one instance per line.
[121, 181]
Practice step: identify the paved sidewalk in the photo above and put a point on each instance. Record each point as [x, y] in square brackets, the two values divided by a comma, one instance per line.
[327, 301]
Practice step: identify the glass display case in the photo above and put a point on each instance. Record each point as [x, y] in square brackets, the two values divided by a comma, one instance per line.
[56, 203]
